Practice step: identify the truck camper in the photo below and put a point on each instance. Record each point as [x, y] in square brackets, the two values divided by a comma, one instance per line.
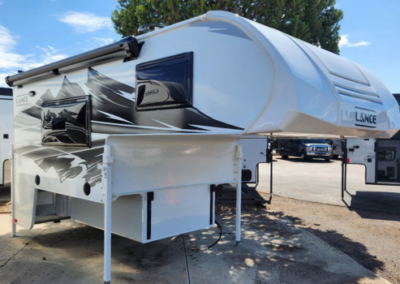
[6, 134]
[133, 137]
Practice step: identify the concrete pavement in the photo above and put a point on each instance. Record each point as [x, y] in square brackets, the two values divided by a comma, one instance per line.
[274, 250]
[320, 181]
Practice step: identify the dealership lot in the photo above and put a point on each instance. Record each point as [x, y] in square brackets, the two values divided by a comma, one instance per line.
[290, 241]
[320, 181]
[274, 250]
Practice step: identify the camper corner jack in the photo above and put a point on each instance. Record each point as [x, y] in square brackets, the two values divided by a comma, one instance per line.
[238, 174]
[108, 199]
[13, 220]
[344, 167]
[270, 159]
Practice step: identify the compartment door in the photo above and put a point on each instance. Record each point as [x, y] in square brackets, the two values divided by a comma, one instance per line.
[362, 151]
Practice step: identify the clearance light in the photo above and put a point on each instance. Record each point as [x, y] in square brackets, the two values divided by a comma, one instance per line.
[348, 160]
[15, 220]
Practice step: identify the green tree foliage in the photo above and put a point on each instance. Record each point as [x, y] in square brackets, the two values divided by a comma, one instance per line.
[314, 21]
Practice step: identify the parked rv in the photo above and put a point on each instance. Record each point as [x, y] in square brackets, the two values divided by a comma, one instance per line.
[336, 147]
[7, 134]
[306, 149]
[381, 157]
[133, 137]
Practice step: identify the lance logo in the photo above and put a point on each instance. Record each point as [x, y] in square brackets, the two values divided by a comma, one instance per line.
[365, 119]
[22, 99]
[152, 92]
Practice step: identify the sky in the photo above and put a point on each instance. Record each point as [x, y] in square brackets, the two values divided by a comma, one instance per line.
[34, 33]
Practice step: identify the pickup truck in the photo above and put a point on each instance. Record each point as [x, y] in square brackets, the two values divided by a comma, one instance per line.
[306, 149]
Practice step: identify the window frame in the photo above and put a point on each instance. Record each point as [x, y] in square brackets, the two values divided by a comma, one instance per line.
[188, 56]
[393, 149]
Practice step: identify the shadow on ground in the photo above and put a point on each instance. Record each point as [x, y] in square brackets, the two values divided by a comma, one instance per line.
[354, 249]
[274, 250]
[299, 160]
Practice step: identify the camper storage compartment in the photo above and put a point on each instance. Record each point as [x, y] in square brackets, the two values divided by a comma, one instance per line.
[155, 215]
[66, 122]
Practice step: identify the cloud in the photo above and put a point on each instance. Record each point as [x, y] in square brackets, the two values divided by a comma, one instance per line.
[344, 41]
[8, 59]
[86, 22]
[11, 62]
[102, 41]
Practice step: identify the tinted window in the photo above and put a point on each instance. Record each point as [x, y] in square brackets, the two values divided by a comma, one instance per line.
[397, 97]
[165, 83]
[6, 92]
[386, 154]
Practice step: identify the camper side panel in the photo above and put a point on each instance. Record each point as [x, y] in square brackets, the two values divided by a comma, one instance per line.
[6, 137]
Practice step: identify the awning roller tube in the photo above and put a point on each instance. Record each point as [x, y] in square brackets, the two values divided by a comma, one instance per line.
[128, 44]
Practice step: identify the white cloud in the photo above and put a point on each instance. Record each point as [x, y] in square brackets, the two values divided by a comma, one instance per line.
[8, 59]
[102, 41]
[11, 62]
[86, 22]
[344, 41]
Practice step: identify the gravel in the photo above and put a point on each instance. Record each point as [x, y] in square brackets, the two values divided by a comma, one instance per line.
[5, 206]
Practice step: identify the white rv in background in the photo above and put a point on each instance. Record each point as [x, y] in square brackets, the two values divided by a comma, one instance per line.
[381, 157]
[6, 133]
[134, 137]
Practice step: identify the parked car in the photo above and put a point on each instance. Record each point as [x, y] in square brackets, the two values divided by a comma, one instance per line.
[306, 149]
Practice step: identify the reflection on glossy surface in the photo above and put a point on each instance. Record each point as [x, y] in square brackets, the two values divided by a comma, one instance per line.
[66, 122]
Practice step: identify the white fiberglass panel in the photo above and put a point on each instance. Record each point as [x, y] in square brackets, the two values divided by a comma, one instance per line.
[338, 65]
[180, 210]
[233, 79]
[301, 94]
[7, 136]
[254, 152]
[142, 163]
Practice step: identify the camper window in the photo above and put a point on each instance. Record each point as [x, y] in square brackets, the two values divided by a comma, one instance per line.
[386, 154]
[165, 83]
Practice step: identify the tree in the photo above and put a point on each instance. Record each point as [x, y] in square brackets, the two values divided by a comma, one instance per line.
[314, 21]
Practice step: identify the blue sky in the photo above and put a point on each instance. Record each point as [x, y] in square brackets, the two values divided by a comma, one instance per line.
[33, 33]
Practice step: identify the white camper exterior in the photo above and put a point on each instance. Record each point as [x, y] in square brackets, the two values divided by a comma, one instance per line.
[254, 153]
[132, 137]
[381, 158]
[6, 133]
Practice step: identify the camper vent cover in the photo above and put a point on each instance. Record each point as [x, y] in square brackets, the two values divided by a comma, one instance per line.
[357, 94]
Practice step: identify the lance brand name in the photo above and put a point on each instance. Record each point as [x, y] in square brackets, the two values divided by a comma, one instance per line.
[366, 118]
[22, 99]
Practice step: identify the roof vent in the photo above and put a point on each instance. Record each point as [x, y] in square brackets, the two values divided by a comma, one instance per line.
[150, 27]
